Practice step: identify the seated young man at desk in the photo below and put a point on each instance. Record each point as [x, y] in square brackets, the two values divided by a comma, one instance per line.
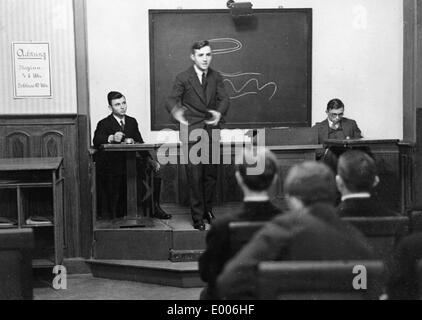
[111, 166]
[336, 126]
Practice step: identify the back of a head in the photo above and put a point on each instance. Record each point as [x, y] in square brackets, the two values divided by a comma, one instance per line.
[257, 167]
[335, 104]
[358, 170]
[312, 182]
[113, 95]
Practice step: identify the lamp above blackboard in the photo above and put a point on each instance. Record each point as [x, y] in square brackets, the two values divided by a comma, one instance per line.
[240, 9]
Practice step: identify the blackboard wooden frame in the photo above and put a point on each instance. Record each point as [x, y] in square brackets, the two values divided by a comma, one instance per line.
[305, 122]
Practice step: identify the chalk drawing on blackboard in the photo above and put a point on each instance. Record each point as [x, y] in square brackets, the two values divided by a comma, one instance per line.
[237, 45]
[239, 91]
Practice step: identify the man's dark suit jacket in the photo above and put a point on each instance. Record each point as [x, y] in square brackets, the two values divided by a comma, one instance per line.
[188, 93]
[349, 126]
[403, 281]
[218, 250]
[114, 162]
[363, 207]
[315, 233]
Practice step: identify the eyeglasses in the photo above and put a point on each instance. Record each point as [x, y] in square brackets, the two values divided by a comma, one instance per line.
[335, 115]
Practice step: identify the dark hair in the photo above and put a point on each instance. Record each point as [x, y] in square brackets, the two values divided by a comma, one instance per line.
[113, 95]
[334, 104]
[251, 158]
[358, 170]
[311, 182]
[199, 45]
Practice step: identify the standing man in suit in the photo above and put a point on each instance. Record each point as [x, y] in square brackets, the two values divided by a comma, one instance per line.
[336, 126]
[356, 178]
[111, 166]
[198, 101]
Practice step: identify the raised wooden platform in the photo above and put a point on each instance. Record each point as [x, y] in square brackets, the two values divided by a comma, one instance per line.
[178, 274]
[163, 252]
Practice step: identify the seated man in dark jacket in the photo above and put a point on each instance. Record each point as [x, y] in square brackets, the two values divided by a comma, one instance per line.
[356, 178]
[336, 126]
[256, 206]
[311, 231]
[111, 166]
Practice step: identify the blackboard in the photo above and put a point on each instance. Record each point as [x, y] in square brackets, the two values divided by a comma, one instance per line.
[265, 60]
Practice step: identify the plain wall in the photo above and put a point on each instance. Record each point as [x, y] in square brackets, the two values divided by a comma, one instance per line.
[357, 57]
[39, 21]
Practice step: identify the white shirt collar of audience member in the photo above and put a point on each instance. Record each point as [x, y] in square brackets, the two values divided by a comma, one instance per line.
[256, 198]
[359, 195]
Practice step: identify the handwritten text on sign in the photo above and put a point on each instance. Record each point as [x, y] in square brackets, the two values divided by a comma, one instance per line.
[31, 70]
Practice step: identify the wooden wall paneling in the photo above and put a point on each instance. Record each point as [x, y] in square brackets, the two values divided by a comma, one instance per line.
[83, 124]
[230, 190]
[52, 144]
[389, 188]
[407, 165]
[47, 135]
[418, 162]
[410, 63]
[17, 144]
[84, 181]
[169, 192]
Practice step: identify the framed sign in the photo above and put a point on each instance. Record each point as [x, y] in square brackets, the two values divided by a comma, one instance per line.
[31, 69]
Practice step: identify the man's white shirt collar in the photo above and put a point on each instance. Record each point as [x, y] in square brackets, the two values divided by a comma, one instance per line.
[118, 119]
[199, 73]
[360, 195]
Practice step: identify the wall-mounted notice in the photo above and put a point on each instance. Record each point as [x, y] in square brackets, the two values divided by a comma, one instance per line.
[31, 64]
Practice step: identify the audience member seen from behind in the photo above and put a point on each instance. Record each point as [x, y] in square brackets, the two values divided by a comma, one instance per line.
[310, 231]
[356, 179]
[256, 187]
[118, 127]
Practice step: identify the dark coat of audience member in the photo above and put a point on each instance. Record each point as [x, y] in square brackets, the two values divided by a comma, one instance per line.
[312, 230]
[363, 207]
[356, 179]
[403, 281]
[218, 250]
[256, 207]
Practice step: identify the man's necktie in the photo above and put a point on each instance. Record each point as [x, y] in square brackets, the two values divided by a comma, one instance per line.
[122, 124]
[204, 81]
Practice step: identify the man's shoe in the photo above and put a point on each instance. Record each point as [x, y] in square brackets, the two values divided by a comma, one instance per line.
[209, 216]
[199, 226]
[161, 214]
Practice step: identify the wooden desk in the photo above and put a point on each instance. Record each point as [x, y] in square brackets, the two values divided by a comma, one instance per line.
[131, 173]
[176, 189]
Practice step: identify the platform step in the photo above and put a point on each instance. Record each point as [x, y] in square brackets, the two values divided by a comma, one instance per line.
[185, 255]
[165, 272]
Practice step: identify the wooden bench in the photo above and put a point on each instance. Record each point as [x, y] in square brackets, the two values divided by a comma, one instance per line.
[382, 233]
[241, 232]
[319, 280]
[15, 264]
